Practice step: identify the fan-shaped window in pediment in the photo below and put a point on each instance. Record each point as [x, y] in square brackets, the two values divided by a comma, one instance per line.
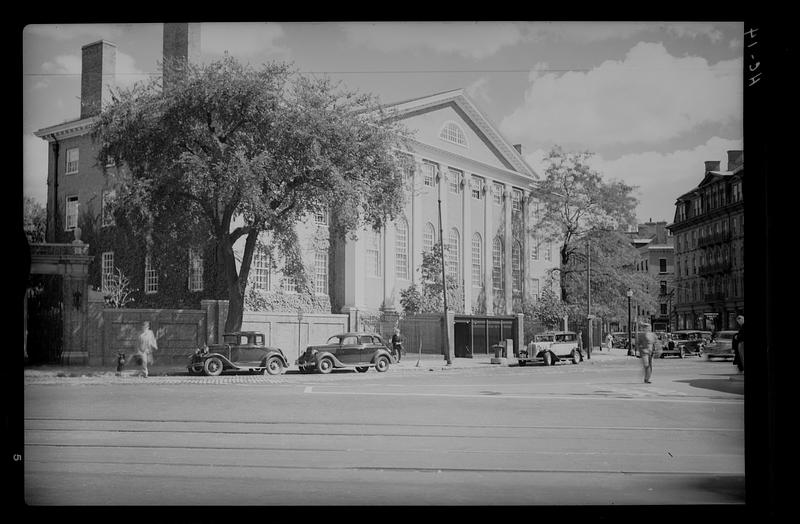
[452, 132]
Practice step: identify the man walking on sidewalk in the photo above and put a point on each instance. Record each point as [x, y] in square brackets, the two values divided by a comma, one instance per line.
[144, 348]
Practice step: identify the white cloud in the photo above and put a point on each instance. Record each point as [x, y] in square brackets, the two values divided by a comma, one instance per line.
[126, 72]
[61, 32]
[63, 65]
[479, 90]
[648, 97]
[660, 177]
[469, 39]
[34, 168]
[242, 39]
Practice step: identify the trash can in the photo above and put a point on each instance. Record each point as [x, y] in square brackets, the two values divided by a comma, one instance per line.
[499, 350]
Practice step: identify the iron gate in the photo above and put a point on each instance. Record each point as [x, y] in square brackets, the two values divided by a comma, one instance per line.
[45, 319]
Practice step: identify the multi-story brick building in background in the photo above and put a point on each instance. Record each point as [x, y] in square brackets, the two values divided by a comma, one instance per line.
[484, 185]
[656, 249]
[709, 248]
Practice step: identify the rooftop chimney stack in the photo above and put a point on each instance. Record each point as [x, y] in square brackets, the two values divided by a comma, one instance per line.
[712, 165]
[181, 45]
[735, 159]
[98, 72]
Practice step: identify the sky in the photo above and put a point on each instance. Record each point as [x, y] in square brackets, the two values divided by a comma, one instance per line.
[651, 100]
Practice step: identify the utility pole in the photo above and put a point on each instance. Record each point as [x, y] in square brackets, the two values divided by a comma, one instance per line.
[446, 329]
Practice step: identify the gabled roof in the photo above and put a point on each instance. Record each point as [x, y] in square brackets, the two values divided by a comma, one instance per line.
[462, 101]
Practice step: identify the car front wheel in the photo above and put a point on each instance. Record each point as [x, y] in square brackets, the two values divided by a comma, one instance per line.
[212, 366]
[325, 366]
[576, 357]
[274, 366]
[548, 359]
[382, 364]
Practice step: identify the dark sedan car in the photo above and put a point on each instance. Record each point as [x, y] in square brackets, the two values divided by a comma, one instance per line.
[239, 351]
[721, 346]
[359, 350]
[687, 342]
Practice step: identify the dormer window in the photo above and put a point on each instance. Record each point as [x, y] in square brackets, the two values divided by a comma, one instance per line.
[452, 132]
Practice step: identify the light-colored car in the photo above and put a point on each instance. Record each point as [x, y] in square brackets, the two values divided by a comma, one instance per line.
[721, 346]
[550, 347]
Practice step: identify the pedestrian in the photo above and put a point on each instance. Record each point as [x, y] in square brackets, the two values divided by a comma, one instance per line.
[609, 341]
[738, 344]
[145, 347]
[670, 344]
[580, 343]
[646, 346]
[397, 344]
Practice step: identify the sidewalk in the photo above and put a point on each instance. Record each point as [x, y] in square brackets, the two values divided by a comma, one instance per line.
[409, 362]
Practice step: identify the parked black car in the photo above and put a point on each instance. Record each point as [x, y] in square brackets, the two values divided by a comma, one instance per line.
[359, 350]
[240, 351]
[687, 342]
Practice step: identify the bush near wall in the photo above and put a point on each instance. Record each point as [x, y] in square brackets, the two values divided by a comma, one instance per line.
[257, 300]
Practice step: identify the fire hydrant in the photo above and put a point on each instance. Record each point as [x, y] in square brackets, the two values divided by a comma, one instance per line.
[120, 363]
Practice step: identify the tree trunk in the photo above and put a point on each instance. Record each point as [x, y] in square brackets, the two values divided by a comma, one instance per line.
[227, 262]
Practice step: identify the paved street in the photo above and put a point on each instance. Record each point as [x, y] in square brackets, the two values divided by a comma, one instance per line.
[472, 433]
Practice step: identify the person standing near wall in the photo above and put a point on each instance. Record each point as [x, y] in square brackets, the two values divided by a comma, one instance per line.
[738, 344]
[145, 347]
[397, 344]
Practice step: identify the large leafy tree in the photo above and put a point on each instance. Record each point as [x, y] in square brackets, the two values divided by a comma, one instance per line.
[612, 272]
[577, 204]
[245, 150]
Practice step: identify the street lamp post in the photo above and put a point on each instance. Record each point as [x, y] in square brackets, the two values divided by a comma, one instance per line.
[630, 345]
[588, 302]
[299, 320]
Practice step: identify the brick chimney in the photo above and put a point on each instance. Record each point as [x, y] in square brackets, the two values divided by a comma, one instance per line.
[735, 159]
[712, 165]
[98, 72]
[181, 45]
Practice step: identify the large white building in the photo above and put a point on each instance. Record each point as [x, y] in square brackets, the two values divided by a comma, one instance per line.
[487, 207]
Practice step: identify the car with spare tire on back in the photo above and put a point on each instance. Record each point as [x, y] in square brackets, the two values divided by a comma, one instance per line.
[357, 350]
[242, 351]
[550, 348]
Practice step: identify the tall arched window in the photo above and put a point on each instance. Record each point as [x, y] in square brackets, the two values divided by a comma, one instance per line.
[401, 250]
[321, 272]
[516, 267]
[453, 254]
[260, 269]
[477, 258]
[428, 237]
[497, 264]
[373, 253]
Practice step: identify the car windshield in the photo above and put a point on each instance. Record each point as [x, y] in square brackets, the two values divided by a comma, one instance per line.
[566, 337]
[544, 338]
[333, 340]
[680, 336]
